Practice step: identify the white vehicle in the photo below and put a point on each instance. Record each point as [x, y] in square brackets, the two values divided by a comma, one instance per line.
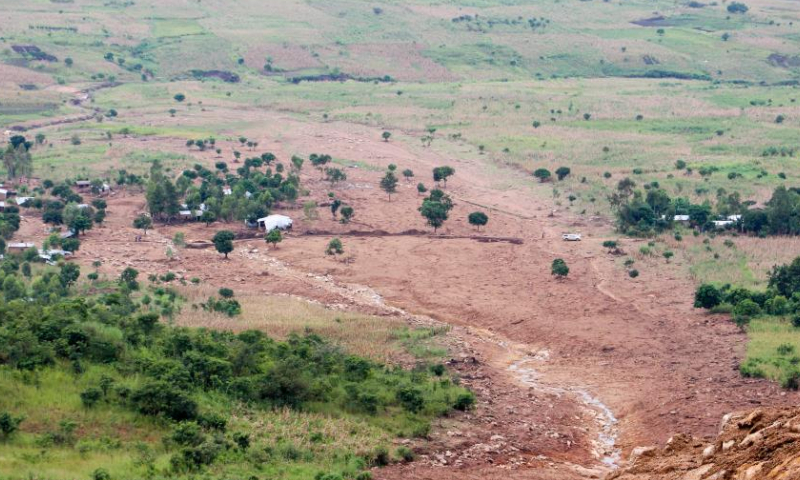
[571, 237]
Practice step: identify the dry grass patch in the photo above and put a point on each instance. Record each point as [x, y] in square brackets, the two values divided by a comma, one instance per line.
[278, 316]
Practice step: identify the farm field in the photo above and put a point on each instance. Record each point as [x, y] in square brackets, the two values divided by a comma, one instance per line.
[695, 101]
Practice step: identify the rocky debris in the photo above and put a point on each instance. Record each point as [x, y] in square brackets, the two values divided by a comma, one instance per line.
[761, 444]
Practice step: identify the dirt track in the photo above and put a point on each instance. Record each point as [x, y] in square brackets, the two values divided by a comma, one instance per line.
[563, 368]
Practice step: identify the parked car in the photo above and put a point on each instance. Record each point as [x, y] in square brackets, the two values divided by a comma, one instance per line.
[571, 237]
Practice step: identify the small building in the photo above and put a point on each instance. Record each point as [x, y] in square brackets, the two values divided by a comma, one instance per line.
[22, 200]
[681, 218]
[2, 206]
[18, 247]
[270, 223]
[722, 223]
[734, 218]
[227, 191]
[67, 234]
[83, 184]
[7, 193]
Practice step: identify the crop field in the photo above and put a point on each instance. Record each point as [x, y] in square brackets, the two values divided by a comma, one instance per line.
[695, 99]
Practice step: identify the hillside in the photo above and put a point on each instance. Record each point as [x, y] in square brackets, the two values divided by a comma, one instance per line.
[423, 317]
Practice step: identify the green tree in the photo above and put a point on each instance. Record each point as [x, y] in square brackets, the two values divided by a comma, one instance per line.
[143, 222]
[128, 278]
[441, 174]
[347, 213]
[478, 219]
[334, 247]
[68, 274]
[436, 208]
[274, 237]
[386, 136]
[389, 184]
[208, 217]
[408, 174]
[559, 268]
[335, 175]
[542, 174]
[9, 424]
[17, 159]
[223, 242]
[562, 172]
[179, 97]
[71, 244]
[421, 188]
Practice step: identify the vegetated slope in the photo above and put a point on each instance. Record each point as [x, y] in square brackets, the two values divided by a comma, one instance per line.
[751, 445]
[412, 41]
[93, 384]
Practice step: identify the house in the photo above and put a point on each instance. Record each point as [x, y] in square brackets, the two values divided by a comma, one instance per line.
[67, 234]
[227, 191]
[83, 184]
[2, 206]
[22, 200]
[722, 223]
[734, 218]
[7, 193]
[270, 223]
[18, 247]
[681, 218]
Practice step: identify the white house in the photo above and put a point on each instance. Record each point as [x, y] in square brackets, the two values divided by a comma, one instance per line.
[270, 223]
[681, 218]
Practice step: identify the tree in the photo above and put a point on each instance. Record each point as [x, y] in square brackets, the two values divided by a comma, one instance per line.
[274, 237]
[562, 172]
[389, 184]
[297, 162]
[17, 158]
[68, 274]
[421, 188]
[680, 164]
[408, 173]
[707, 296]
[436, 208]
[478, 219]
[786, 278]
[128, 278]
[335, 175]
[347, 213]
[208, 217]
[386, 136]
[667, 255]
[143, 222]
[737, 7]
[335, 204]
[9, 424]
[334, 247]
[542, 174]
[179, 97]
[559, 268]
[441, 174]
[70, 244]
[223, 242]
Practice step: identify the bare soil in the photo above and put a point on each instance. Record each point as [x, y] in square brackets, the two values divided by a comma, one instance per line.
[570, 374]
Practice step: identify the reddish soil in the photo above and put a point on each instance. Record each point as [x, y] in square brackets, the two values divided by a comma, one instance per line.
[549, 354]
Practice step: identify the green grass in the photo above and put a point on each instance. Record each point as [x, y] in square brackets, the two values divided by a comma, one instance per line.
[772, 349]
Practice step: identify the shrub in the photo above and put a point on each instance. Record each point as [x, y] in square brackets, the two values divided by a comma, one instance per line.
[187, 434]
[707, 296]
[785, 349]
[9, 424]
[91, 396]
[163, 398]
[226, 293]
[410, 398]
[380, 457]
[464, 401]
[405, 453]
[559, 268]
[101, 474]
[633, 273]
[744, 311]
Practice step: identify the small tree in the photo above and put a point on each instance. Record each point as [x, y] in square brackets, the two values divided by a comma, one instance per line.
[559, 268]
[347, 213]
[408, 173]
[223, 242]
[478, 219]
[441, 174]
[334, 247]
[542, 174]
[335, 175]
[667, 255]
[179, 97]
[128, 278]
[611, 245]
[562, 172]
[208, 217]
[274, 237]
[9, 424]
[143, 222]
[386, 136]
[335, 204]
[707, 296]
[389, 184]
[421, 188]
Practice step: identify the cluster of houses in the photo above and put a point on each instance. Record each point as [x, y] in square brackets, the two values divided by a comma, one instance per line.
[729, 220]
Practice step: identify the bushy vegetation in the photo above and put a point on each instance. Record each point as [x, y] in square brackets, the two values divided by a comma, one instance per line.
[192, 384]
[779, 303]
